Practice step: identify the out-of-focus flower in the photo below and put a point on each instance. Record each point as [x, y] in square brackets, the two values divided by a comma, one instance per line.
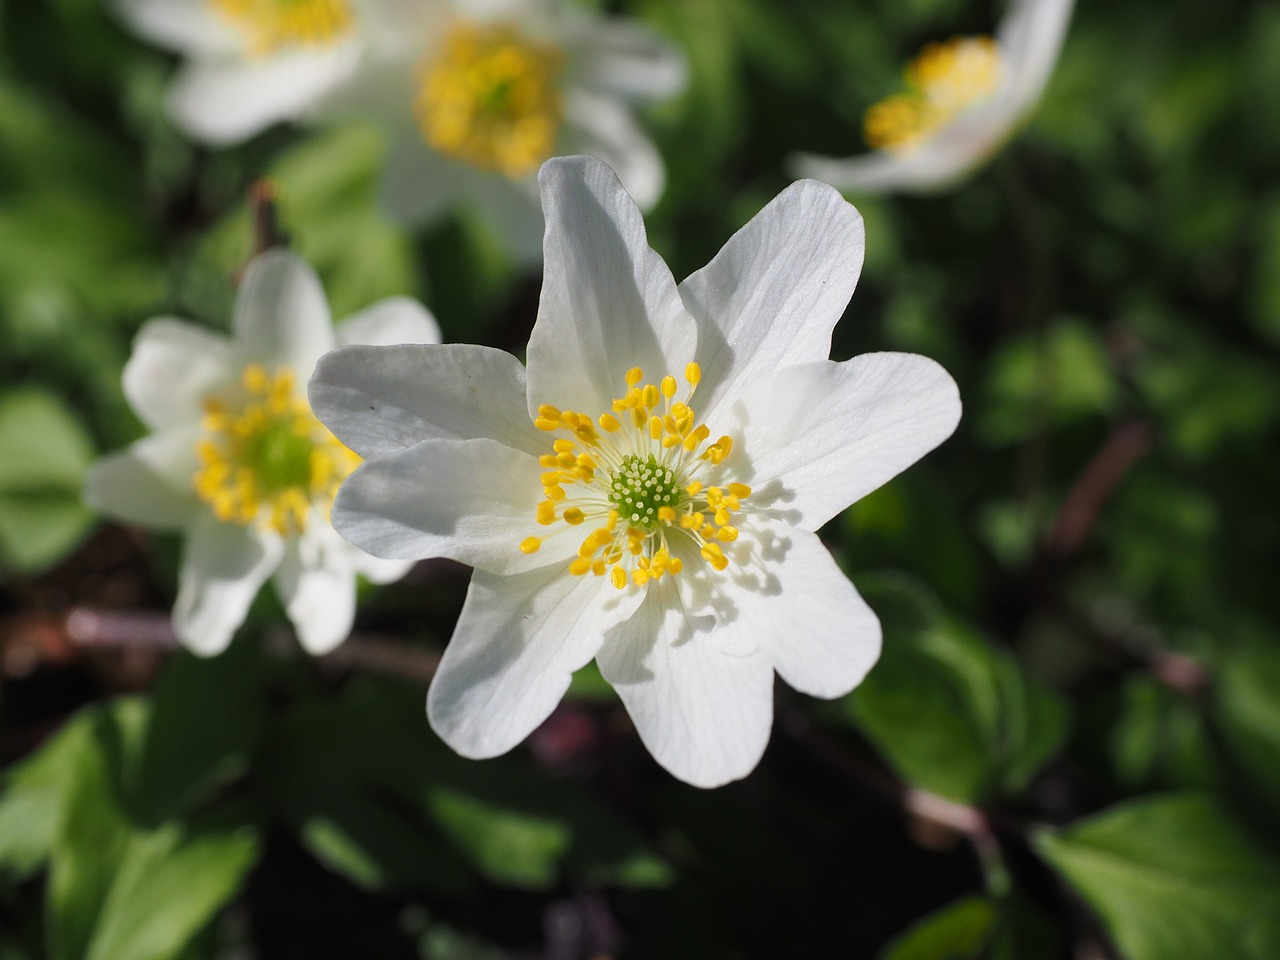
[964, 99]
[476, 94]
[237, 461]
[249, 63]
[647, 492]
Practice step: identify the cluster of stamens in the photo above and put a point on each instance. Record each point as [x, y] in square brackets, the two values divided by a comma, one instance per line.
[634, 476]
[490, 98]
[944, 80]
[268, 461]
[271, 25]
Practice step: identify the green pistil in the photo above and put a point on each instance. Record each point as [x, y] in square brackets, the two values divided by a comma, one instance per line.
[640, 488]
[280, 457]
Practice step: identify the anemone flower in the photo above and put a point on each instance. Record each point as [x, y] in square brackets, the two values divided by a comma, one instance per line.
[646, 491]
[249, 64]
[964, 99]
[475, 94]
[238, 462]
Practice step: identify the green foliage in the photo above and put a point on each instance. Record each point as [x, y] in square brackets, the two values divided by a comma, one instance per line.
[1113, 273]
[957, 932]
[44, 453]
[1172, 877]
[947, 710]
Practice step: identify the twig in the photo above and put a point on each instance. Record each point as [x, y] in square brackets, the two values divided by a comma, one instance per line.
[1100, 478]
[266, 222]
[87, 629]
[934, 810]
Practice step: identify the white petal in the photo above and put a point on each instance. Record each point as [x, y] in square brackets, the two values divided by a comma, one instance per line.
[470, 500]
[814, 438]
[376, 569]
[223, 566]
[282, 317]
[933, 165]
[1030, 38]
[148, 483]
[774, 292]
[703, 713]
[227, 100]
[187, 26]
[604, 127]
[783, 588]
[628, 60]
[378, 400]
[173, 367]
[389, 322]
[608, 302]
[516, 645]
[317, 584]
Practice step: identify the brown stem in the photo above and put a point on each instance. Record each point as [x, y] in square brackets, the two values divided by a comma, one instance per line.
[263, 212]
[88, 629]
[1095, 485]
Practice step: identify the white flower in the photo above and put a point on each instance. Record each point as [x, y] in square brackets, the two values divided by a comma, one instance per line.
[612, 510]
[965, 99]
[249, 63]
[237, 461]
[475, 94]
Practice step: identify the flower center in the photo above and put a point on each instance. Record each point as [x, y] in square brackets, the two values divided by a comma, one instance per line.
[269, 462]
[639, 482]
[273, 24]
[490, 98]
[942, 82]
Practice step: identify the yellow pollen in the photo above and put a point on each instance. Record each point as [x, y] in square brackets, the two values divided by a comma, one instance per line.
[490, 97]
[265, 460]
[530, 545]
[943, 81]
[273, 25]
[650, 488]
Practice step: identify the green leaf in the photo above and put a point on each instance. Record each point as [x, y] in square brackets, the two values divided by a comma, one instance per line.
[167, 887]
[956, 932]
[44, 453]
[947, 710]
[206, 719]
[1172, 877]
[1246, 708]
[507, 844]
[116, 890]
[1056, 380]
[93, 831]
[34, 794]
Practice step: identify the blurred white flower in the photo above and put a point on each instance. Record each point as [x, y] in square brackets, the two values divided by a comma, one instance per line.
[475, 94]
[964, 99]
[646, 492]
[249, 63]
[237, 461]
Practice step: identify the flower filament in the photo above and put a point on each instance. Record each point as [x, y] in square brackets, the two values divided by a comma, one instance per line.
[943, 81]
[267, 460]
[271, 25]
[636, 477]
[490, 98]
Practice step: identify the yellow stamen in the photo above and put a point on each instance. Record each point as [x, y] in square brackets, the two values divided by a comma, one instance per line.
[643, 485]
[272, 25]
[265, 460]
[490, 97]
[943, 81]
